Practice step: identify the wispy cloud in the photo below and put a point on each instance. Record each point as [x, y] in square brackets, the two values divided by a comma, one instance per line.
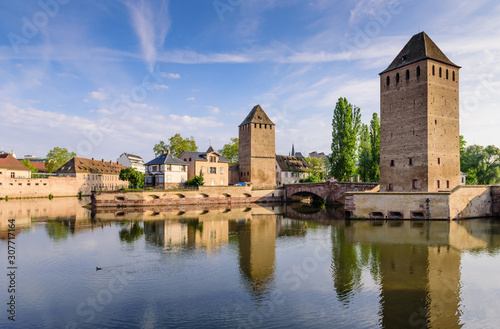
[213, 109]
[191, 99]
[151, 24]
[99, 94]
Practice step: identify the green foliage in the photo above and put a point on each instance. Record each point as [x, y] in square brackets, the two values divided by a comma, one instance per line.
[196, 180]
[80, 195]
[134, 177]
[481, 164]
[374, 175]
[57, 157]
[51, 196]
[28, 164]
[311, 179]
[365, 154]
[346, 124]
[230, 151]
[131, 233]
[317, 166]
[176, 145]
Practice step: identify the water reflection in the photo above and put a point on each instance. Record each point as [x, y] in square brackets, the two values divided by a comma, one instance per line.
[415, 268]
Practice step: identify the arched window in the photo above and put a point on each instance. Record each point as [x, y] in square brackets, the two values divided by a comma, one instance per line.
[418, 71]
[446, 74]
[388, 80]
[407, 75]
[397, 77]
[433, 70]
[453, 75]
[440, 73]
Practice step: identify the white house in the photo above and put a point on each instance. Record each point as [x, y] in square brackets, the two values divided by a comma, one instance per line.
[166, 171]
[290, 169]
[132, 161]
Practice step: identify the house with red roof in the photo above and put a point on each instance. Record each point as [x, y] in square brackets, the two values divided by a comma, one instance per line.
[10, 167]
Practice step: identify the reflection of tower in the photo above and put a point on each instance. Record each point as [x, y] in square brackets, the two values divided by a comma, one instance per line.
[257, 243]
[419, 271]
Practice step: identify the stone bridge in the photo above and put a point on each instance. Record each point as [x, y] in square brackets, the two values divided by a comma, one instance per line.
[331, 192]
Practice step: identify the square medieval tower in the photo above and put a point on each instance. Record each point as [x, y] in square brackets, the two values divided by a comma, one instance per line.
[257, 157]
[419, 114]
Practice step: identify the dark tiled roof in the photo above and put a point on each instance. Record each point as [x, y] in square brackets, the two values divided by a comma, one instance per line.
[290, 163]
[418, 48]
[166, 158]
[88, 166]
[202, 156]
[257, 115]
[7, 161]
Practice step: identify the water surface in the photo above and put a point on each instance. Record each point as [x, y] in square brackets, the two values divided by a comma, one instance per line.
[256, 267]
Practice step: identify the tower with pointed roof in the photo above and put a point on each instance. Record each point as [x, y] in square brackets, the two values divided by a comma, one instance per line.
[257, 149]
[419, 113]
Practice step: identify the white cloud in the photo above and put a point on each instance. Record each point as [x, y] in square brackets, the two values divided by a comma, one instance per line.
[151, 26]
[213, 109]
[99, 94]
[194, 122]
[191, 99]
[174, 75]
[161, 86]
[68, 75]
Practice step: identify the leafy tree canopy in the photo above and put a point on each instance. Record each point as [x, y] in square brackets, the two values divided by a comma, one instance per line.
[176, 144]
[230, 151]
[481, 164]
[134, 177]
[28, 164]
[57, 157]
[317, 166]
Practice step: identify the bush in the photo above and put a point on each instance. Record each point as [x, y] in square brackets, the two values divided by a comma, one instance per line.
[310, 179]
[196, 180]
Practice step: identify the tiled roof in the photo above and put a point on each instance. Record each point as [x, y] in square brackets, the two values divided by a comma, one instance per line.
[290, 163]
[40, 166]
[166, 158]
[418, 48]
[202, 156]
[7, 161]
[83, 165]
[257, 115]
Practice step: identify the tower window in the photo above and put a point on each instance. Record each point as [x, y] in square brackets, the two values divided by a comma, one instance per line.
[388, 80]
[439, 161]
[433, 70]
[447, 184]
[414, 184]
[397, 78]
[255, 125]
[260, 125]
[390, 187]
[392, 163]
[453, 75]
[438, 183]
[435, 122]
[440, 73]
[446, 74]
[271, 127]
[418, 71]
[410, 161]
[407, 75]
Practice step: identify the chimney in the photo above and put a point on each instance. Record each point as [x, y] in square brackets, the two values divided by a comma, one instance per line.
[163, 152]
[14, 154]
[102, 160]
[92, 159]
[168, 151]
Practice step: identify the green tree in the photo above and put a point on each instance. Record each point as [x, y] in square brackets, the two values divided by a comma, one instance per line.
[346, 124]
[230, 151]
[134, 177]
[57, 157]
[196, 180]
[131, 233]
[365, 159]
[374, 174]
[176, 145]
[28, 164]
[160, 148]
[481, 164]
[317, 166]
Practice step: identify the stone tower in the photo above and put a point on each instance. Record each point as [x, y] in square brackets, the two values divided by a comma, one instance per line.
[419, 114]
[257, 149]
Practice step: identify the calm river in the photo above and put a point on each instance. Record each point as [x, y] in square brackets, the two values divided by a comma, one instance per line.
[257, 267]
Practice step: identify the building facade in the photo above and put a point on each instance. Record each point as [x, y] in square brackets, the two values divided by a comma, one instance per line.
[10, 167]
[165, 171]
[213, 166]
[257, 160]
[290, 169]
[93, 175]
[419, 113]
[132, 161]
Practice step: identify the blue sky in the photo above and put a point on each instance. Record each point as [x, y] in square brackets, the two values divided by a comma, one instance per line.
[106, 77]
